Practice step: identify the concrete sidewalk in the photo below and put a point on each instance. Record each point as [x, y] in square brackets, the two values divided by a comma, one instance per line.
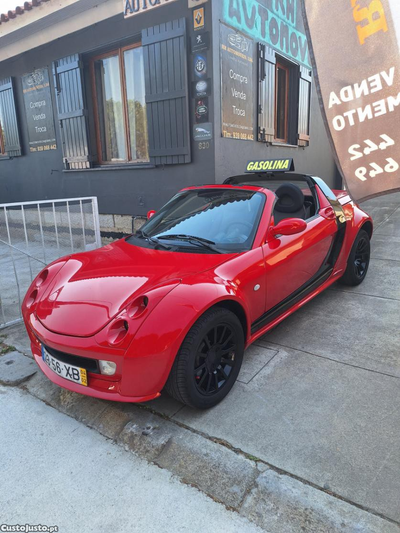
[318, 398]
[102, 491]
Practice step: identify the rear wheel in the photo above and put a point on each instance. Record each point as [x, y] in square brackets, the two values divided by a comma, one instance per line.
[209, 360]
[358, 262]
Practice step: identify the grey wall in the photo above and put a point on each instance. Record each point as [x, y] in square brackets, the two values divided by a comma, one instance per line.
[232, 155]
[41, 175]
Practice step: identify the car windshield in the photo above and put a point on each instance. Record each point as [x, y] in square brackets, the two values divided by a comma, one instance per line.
[204, 221]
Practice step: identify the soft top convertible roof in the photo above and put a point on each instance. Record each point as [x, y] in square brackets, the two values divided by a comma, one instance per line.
[257, 178]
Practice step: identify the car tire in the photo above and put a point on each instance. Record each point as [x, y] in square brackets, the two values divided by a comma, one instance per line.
[358, 261]
[209, 360]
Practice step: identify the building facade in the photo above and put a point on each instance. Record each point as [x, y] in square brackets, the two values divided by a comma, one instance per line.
[131, 100]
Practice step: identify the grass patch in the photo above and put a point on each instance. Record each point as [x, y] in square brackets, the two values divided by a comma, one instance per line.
[252, 457]
[6, 349]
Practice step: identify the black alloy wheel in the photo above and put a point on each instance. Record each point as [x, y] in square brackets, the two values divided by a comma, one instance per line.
[358, 260]
[209, 360]
[361, 258]
[215, 359]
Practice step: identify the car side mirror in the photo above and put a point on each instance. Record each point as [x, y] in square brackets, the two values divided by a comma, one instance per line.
[289, 226]
[150, 214]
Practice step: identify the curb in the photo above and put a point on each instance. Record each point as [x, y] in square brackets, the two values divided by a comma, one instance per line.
[15, 369]
[273, 500]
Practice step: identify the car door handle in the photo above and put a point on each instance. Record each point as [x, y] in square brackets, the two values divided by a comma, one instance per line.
[328, 213]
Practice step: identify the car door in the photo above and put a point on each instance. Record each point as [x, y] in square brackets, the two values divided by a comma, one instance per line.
[293, 261]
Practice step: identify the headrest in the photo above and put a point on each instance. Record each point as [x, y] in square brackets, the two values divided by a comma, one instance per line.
[290, 198]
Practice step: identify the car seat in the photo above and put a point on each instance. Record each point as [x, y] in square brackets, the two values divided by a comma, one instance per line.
[290, 203]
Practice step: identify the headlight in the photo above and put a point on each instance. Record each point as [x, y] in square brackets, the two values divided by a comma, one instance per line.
[117, 331]
[41, 282]
[122, 328]
[107, 368]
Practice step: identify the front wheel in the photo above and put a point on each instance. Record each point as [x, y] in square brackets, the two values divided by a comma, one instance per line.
[209, 360]
[358, 262]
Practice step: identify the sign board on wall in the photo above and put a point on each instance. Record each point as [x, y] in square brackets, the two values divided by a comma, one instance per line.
[135, 7]
[237, 87]
[360, 91]
[194, 3]
[277, 23]
[39, 111]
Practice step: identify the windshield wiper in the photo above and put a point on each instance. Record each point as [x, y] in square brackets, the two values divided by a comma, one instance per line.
[143, 234]
[200, 241]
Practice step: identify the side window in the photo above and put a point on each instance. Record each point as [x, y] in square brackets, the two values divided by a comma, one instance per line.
[281, 102]
[284, 99]
[120, 108]
[141, 111]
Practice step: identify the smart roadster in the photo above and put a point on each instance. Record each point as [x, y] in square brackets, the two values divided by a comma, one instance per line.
[174, 305]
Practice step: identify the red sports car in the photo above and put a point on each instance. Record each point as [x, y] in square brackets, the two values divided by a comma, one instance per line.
[174, 305]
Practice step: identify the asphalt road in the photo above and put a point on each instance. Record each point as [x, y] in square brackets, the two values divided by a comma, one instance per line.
[57, 472]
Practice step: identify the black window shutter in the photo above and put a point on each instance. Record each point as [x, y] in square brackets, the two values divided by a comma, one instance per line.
[166, 83]
[12, 145]
[72, 112]
[266, 93]
[303, 138]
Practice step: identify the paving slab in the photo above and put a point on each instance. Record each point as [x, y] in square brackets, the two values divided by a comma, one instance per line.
[345, 326]
[16, 336]
[283, 504]
[379, 214]
[391, 227]
[15, 368]
[391, 200]
[325, 422]
[254, 361]
[165, 405]
[383, 247]
[382, 280]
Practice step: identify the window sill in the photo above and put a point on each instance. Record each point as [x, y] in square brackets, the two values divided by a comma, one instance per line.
[101, 168]
[285, 145]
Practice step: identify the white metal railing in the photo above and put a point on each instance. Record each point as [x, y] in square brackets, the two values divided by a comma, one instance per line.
[33, 234]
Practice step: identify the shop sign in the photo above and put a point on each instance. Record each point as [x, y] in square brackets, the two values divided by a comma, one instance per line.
[201, 88]
[274, 22]
[201, 41]
[237, 85]
[198, 19]
[39, 111]
[200, 66]
[359, 91]
[195, 3]
[135, 7]
[201, 110]
[202, 132]
[277, 165]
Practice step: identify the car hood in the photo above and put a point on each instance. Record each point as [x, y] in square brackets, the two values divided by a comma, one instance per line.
[93, 287]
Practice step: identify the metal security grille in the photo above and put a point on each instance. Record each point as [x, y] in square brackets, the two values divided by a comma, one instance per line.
[33, 234]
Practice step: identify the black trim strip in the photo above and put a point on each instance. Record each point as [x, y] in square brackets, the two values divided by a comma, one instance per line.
[319, 278]
[91, 365]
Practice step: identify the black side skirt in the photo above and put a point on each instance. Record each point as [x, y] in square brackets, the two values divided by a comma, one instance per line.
[318, 279]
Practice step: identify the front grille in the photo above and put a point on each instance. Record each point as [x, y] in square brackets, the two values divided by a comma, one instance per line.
[91, 365]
